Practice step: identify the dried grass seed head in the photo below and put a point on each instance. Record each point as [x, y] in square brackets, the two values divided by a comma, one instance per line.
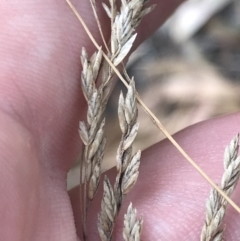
[216, 204]
[131, 173]
[132, 226]
[108, 211]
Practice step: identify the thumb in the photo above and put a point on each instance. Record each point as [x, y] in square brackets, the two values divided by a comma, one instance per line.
[31, 196]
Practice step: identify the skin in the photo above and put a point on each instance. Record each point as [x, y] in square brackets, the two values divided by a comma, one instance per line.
[40, 107]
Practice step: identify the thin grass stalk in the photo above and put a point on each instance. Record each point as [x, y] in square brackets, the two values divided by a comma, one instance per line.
[93, 4]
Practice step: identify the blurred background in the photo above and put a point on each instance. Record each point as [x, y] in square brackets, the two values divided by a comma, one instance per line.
[187, 72]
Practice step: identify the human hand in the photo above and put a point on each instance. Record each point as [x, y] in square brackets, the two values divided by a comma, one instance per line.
[41, 105]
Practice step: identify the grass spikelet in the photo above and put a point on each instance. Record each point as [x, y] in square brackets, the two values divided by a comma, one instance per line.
[216, 205]
[132, 226]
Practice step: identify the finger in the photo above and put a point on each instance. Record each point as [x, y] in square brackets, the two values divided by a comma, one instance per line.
[34, 204]
[169, 193]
